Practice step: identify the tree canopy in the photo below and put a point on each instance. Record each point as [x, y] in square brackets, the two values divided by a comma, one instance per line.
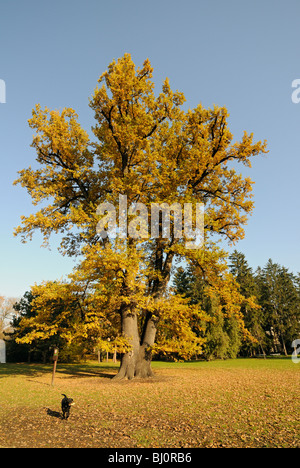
[147, 148]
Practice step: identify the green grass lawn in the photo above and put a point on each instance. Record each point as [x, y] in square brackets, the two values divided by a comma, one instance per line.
[233, 403]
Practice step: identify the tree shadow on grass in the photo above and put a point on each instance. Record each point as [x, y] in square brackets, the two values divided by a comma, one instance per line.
[84, 375]
[67, 370]
[23, 369]
[84, 371]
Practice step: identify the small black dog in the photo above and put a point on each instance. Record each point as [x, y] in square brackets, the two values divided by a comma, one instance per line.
[66, 404]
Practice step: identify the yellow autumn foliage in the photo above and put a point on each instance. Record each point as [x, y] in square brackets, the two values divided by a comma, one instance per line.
[148, 148]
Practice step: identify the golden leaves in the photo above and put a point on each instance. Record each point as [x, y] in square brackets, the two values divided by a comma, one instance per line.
[149, 149]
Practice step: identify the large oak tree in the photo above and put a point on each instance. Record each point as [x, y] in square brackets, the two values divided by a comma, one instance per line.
[145, 147]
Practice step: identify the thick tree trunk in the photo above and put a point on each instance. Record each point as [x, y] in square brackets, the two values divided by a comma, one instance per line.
[137, 362]
[143, 365]
[130, 331]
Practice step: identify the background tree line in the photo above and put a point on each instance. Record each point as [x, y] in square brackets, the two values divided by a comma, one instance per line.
[271, 319]
[272, 326]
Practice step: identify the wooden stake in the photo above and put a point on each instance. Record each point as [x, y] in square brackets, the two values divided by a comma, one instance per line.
[55, 359]
[53, 373]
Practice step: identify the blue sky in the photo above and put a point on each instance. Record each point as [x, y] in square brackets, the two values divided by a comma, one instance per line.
[237, 53]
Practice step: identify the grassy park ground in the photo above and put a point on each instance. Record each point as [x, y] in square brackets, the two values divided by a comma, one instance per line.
[234, 403]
